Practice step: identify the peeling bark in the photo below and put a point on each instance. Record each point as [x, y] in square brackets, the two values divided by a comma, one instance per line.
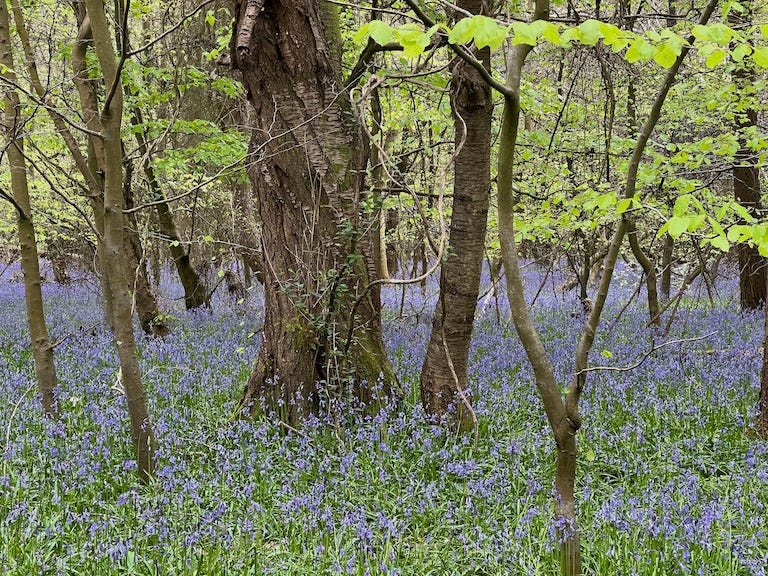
[306, 164]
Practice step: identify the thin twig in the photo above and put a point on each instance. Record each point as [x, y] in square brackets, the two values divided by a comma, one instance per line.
[645, 356]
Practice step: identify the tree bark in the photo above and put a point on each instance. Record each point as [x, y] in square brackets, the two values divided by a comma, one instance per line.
[761, 426]
[650, 273]
[667, 262]
[110, 120]
[746, 175]
[444, 372]
[195, 291]
[322, 340]
[42, 350]
[150, 318]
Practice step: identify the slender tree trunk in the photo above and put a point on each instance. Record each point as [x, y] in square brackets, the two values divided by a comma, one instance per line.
[150, 318]
[110, 123]
[650, 273]
[667, 262]
[322, 338]
[379, 230]
[563, 416]
[392, 252]
[248, 230]
[13, 124]
[195, 291]
[88, 167]
[444, 372]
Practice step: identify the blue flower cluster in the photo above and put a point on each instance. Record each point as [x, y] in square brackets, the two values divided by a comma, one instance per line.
[670, 480]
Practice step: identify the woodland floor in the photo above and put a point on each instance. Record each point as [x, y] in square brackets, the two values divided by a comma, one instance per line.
[670, 480]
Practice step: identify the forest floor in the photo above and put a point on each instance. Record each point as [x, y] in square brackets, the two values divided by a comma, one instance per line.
[670, 479]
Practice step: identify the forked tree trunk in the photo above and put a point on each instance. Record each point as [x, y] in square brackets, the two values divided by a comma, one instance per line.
[42, 350]
[195, 291]
[322, 330]
[649, 268]
[117, 269]
[444, 372]
[150, 318]
[563, 414]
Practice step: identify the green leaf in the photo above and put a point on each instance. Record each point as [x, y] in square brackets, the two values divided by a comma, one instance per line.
[591, 455]
[623, 205]
[380, 32]
[681, 205]
[362, 33]
[552, 35]
[742, 212]
[210, 19]
[740, 52]
[462, 32]
[614, 37]
[720, 242]
[639, 50]
[526, 34]
[607, 354]
[760, 57]
[716, 226]
[715, 58]
[488, 33]
[412, 39]
[720, 33]
[664, 55]
[605, 201]
[701, 33]
[590, 32]
[675, 41]
[569, 35]
[678, 225]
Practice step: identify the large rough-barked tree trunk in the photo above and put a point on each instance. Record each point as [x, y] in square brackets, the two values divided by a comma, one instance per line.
[306, 164]
[444, 373]
[762, 414]
[746, 174]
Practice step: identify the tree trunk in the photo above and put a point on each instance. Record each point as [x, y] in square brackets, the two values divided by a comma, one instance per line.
[444, 372]
[150, 318]
[746, 175]
[322, 338]
[379, 229]
[117, 268]
[247, 231]
[667, 262]
[195, 291]
[650, 273]
[42, 350]
[392, 223]
[761, 425]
